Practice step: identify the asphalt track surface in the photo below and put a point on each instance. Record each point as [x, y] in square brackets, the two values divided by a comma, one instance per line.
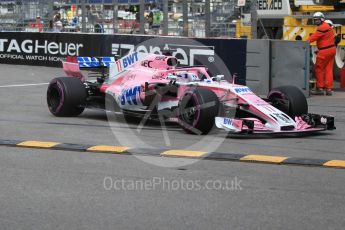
[50, 189]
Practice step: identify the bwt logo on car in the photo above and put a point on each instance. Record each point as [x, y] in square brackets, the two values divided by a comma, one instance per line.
[38, 47]
[242, 90]
[186, 54]
[126, 61]
[130, 95]
[227, 121]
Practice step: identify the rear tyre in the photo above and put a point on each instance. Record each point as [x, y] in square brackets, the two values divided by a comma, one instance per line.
[290, 100]
[66, 97]
[197, 110]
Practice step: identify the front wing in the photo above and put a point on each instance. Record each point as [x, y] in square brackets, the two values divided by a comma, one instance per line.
[304, 124]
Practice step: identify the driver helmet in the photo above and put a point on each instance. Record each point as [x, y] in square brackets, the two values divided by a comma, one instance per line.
[188, 76]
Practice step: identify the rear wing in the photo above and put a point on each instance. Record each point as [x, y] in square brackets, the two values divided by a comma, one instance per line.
[73, 65]
[95, 62]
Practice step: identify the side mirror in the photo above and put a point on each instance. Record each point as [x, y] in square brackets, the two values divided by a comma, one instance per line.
[218, 78]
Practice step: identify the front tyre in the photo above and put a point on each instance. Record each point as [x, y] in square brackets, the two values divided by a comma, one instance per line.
[66, 97]
[290, 100]
[197, 110]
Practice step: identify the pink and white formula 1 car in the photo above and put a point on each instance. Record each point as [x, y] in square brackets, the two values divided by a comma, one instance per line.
[154, 87]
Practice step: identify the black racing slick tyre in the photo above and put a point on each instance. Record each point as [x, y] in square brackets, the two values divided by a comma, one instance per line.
[66, 97]
[290, 100]
[197, 110]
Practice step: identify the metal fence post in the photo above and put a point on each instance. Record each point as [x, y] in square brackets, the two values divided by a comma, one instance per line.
[83, 14]
[185, 17]
[254, 20]
[207, 18]
[115, 14]
[50, 14]
[142, 16]
[165, 17]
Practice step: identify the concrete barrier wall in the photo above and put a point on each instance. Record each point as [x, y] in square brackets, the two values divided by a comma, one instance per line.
[258, 66]
[273, 63]
[290, 64]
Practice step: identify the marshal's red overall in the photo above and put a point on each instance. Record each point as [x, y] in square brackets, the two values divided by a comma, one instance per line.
[324, 37]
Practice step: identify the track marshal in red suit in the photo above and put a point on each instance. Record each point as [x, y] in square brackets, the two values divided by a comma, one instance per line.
[324, 37]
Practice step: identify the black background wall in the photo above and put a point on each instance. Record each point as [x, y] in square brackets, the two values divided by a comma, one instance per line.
[48, 49]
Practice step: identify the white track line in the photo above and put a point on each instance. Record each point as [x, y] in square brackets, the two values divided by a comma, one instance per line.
[23, 85]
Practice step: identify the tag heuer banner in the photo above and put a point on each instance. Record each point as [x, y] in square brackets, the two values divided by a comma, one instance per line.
[48, 49]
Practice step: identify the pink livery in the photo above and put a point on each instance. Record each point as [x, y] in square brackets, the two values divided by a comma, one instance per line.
[156, 87]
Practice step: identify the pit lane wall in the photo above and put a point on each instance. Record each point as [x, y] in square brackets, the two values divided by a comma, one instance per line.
[257, 63]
